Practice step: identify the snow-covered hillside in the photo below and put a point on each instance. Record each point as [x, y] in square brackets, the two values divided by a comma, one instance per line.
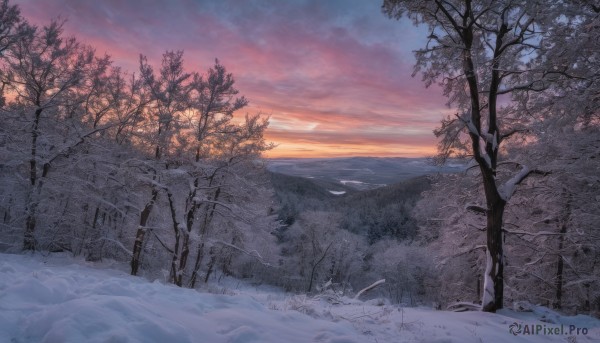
[58, 299]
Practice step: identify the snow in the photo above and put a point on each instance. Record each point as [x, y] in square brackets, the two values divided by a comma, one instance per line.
[508, 188]
[487, 159]
[472, 129]
[488, 283]
[488, 138]
[337, 192]
[366, 289]
[56, 298]
[345, 182]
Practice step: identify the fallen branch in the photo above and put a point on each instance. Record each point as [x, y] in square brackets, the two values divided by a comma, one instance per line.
[375, 284]
[463, 307]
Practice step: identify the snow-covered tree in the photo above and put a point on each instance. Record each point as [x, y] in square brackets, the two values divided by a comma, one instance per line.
[478, 52]
[168, 92]
[551, 236]
[12, 28]
[99, 160]
[317, 250]
[46, 74]
[199, 157]
[554, 242]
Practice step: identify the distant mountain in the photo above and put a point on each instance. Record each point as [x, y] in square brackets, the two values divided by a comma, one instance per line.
[361, 172]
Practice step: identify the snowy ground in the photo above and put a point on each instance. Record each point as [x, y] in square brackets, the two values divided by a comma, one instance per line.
[59, 299]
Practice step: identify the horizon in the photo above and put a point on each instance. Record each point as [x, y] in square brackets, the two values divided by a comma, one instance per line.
[347, 157]
[334, 77]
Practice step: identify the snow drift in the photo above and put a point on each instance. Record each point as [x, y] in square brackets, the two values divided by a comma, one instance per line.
[56, 298]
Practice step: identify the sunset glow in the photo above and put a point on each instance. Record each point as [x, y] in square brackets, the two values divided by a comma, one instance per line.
[334, 76]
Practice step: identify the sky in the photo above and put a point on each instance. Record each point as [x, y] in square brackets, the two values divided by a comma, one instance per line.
[334, 76]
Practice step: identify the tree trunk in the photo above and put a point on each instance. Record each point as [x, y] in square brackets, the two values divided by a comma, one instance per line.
[29, 242]
[493, 285]
[7, 216]
[185, 252]
[185, 246]
[93, 252]
[29, 235]
[203, 230]
[560, 263]
[197, 264]
[314, 268]
[176, 277]
[559, 269]
[211, 264]
[141, 233]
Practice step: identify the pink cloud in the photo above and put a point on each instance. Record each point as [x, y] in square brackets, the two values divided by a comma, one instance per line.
[335, 76]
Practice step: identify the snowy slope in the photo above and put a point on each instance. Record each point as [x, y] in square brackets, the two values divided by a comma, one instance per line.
[58, 299]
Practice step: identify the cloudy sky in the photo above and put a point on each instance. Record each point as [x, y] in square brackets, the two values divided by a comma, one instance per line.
[335, 76]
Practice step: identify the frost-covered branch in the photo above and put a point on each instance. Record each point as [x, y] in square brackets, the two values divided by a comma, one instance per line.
[507, 189]
[252, 253]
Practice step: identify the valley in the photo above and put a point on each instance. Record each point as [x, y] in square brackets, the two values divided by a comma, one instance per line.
[362, 173]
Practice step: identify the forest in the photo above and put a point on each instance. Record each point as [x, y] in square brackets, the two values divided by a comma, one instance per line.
[161, 169]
